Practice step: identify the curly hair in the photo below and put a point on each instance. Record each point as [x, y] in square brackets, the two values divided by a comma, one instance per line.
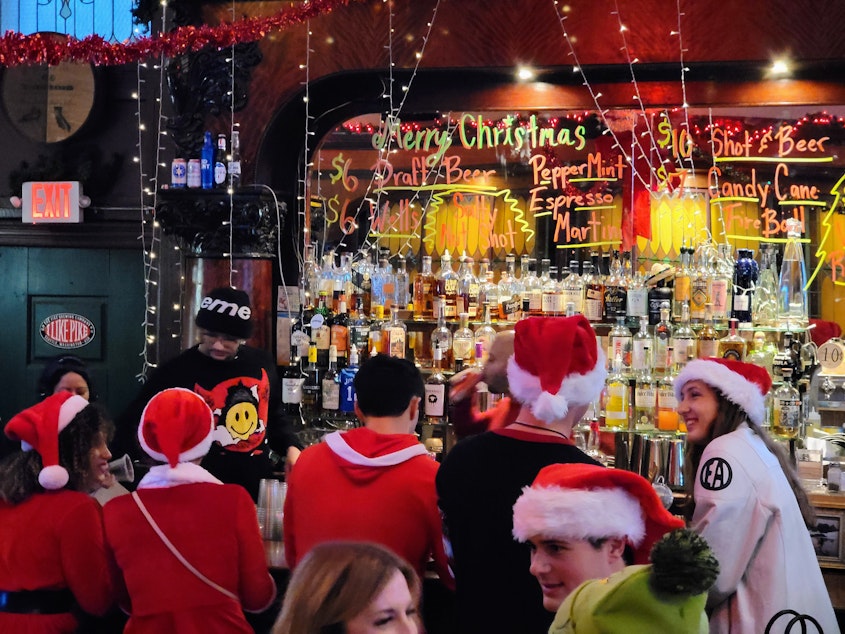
[19, 471]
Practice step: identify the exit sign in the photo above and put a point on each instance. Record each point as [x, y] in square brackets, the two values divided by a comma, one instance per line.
[51, 202]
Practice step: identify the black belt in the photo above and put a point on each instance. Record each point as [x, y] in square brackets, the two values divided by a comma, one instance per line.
[37, 601]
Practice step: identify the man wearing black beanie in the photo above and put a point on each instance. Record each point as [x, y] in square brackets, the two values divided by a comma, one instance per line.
[239, 383]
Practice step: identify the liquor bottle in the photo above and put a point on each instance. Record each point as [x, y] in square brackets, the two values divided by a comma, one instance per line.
[759, 354]
[708, 337]
[300, 335]
[527, 282]
[436, 392]
[532, 300]
[395, 332]
[667, 404]
[720, 288]
[615, 290]
[662, 340]
[510, 293]
[402, 296]
[699, 284]
[786, 407]
[619, 344]
[359, 330]
[572, 288]
[551, 301]
[636, 300]
[793, 279]
[745, 277]
[342, 289]
[220, 162]
[645, 396]
[617, 400]
[484, 334]
[594, 291]
[766, 301]
[321, 333]
[542, 280]
[292, 380]
[362, 281]
[310, 281]
[463, 344]
[424, 291]
[339, 335]
[642, 339]
[233, 168]
[732, 345]
[441, 337]
[488, 291]
[326, 283]
[657, 296]
[468, 288]
[684, 340]
[446, 287]
[207, 162]
[330, 394]
[681, 288]
[384, 284]
[347, 386]
[786, 358]
[376, 341]
[311, 389]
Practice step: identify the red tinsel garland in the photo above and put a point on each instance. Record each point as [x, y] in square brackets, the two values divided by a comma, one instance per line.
[44, 48]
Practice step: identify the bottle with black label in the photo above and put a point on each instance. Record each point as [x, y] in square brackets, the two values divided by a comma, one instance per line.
[292, 380]
[331, 387]
[615, 291]
[311, 388]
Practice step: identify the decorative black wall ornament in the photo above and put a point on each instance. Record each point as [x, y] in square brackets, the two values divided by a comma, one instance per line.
[200, 83]
[199, 219]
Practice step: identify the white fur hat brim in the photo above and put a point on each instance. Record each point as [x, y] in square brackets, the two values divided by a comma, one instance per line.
[734, 387]
[558, 513]
[575, 389]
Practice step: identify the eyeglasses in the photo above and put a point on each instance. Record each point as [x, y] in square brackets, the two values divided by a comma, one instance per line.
[219, 336]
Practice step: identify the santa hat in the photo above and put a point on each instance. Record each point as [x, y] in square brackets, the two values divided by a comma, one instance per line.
[556, 363]
[38, 428]
[743, 384]
[176, 426]
[585, 501]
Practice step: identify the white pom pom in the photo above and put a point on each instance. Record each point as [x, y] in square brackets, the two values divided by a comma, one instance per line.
[53, 477]
[550, 407]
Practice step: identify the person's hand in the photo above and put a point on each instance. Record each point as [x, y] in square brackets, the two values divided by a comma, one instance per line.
[463, 383]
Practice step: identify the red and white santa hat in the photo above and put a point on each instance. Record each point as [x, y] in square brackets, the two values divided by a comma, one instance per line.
[556, 363]
[38, 428]
[586, 501]
[176, 426]
[744, 384]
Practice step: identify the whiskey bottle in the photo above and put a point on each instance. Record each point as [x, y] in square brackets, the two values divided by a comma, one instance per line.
[463, 344]
[446, 287]
[424, 291]
[732, 345]
[708, 338]
[441, 337]
[330, 394]
[786, 405]
[395, 335]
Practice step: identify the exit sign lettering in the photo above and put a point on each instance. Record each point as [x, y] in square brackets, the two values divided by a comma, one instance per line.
[51, 202]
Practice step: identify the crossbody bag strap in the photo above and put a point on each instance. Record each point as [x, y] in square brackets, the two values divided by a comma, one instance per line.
[176, 553]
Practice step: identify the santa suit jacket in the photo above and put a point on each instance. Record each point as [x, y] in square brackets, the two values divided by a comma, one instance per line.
[215, 527]
[359, 485]
[747, 512]
[52, 541]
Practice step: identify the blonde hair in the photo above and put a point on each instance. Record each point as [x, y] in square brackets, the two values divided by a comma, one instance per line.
[335, 582]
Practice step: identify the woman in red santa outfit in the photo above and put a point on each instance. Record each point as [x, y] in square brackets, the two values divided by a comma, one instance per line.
[749, 505]
[53, 560]
[188, 546]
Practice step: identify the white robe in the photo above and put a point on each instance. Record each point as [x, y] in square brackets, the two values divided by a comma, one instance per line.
[747, 512]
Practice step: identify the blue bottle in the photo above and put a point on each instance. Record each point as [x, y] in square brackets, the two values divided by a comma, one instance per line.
[207, 162]
[347, 388]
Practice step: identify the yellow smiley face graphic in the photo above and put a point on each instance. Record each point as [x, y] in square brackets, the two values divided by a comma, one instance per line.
[242, 420]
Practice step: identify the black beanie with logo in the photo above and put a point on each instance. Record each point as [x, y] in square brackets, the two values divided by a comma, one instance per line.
[227, 311]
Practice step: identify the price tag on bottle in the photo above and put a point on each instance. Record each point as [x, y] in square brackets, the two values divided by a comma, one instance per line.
[831, 357]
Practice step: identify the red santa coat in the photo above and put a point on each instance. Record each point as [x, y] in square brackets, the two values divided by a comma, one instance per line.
[359, 485]
[215, 527]
[52, 541]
